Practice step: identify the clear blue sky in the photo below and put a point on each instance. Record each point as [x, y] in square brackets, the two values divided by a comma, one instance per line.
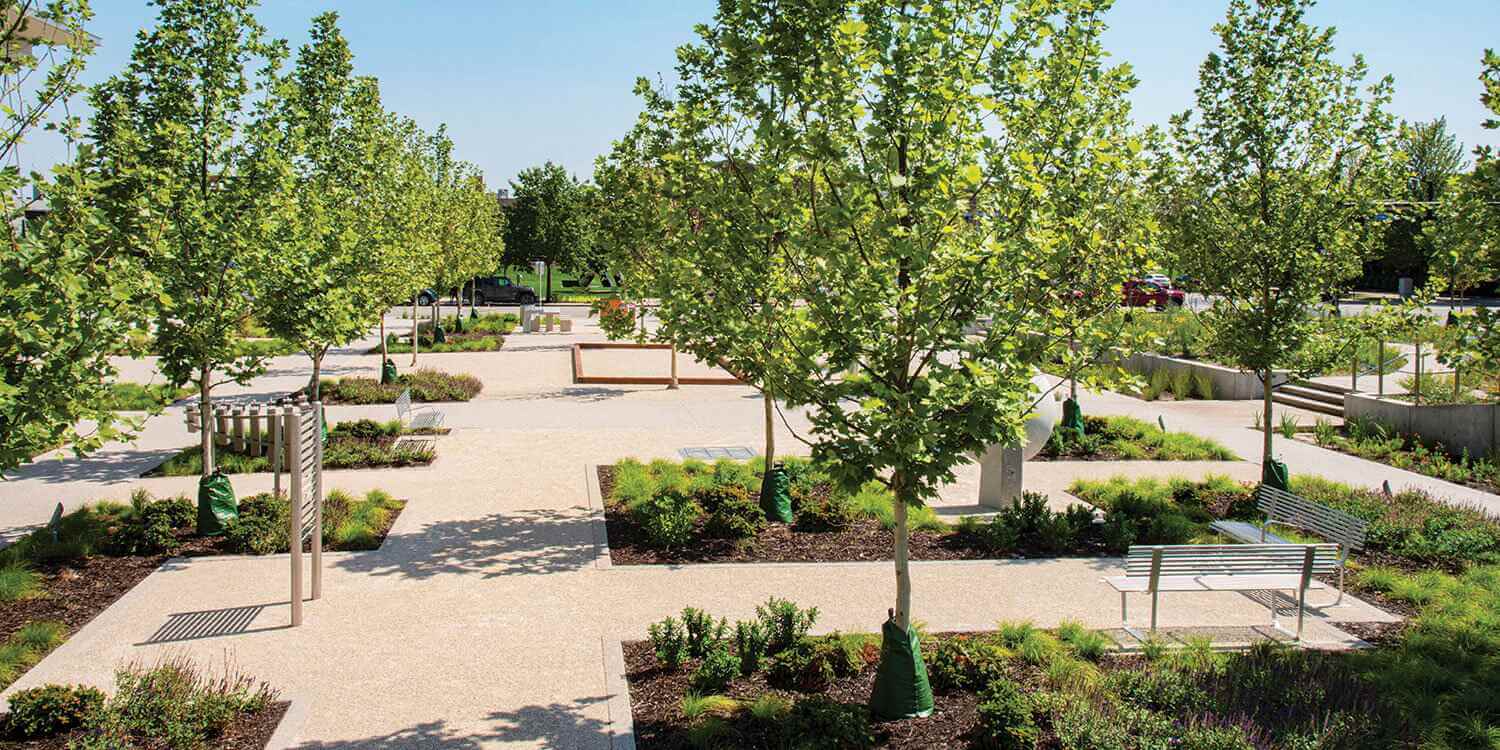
[520, 83]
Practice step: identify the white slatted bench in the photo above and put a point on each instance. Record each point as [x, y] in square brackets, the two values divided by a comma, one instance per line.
[1224, 567]
[1286, 509]
[417, 419]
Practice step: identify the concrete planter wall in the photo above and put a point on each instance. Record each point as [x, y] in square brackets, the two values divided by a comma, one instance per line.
[1459, 427]
[1230, 384]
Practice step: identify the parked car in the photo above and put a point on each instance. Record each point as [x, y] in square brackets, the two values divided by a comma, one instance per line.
[498, 290]
[1159, 279]
[1143, 293]
[427, 297]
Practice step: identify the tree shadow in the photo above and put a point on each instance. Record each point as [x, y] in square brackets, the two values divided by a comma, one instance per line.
[557, 725]
[113, 465]
[576, 393]
[522, 542]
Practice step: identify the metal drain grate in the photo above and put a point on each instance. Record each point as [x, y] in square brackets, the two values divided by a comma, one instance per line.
[738, 453]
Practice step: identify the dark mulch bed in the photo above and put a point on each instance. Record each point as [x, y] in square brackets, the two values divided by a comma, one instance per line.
[77, 591]
[863, 540]
[248, 732]
[1379, 634]
[1477, 484]
[656, 697]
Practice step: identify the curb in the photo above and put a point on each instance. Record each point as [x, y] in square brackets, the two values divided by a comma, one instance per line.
[287, 732]
[621, 721]
[602, 560]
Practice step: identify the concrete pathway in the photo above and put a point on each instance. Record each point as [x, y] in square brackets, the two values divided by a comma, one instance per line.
[489, 617]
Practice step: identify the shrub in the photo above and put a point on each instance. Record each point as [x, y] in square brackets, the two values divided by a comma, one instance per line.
[1005, 721]
[1158, 689]
[174, 705]
[668, 518]
[51, 710]
[963, 663]
[425, 385]
[261, 528]
[750, 644]
[668, 642]
[41, 636]
[719, 667]
[813, 663]
[701, 632]
[732, 514]
[824, 724]
[823, 510]
[769, 707]
[736, 473]
[785, 623]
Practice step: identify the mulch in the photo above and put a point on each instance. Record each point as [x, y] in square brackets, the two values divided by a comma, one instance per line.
[863, 540]
[656, 697]
[246, 732]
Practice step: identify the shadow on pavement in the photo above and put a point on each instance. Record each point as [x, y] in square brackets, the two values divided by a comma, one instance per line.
[515, 543]
[212, 623]
[554, 725]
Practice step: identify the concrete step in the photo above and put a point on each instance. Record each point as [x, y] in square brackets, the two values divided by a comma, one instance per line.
[1320, 406]
[1338, 390]
[1312, 392]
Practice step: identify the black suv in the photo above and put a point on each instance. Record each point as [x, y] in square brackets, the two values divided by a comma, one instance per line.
[492, 290]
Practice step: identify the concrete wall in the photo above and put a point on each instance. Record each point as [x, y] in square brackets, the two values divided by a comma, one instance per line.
[1230, 384]
[1459, 427]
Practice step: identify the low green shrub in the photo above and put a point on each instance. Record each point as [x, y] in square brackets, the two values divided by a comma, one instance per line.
[668, 642]
[425, 385]
[822, 509]
[703, 633]
[716, 671]
[51, 710]
[349, 524]
[966, 663]
[785, 623]
[173, 704]
[732, 513]
[668, 518]
[136, 397]
[811, 664]
[820, 723]
[1005, 720]
[750, 643]
[18, 581]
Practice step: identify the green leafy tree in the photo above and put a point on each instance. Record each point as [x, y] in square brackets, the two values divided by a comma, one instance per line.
[549, 221]
[1462, 239]
[1284, 158]
[940, 183]
[323, 283]
[187, 145]
[69, 292]
[1433, 156]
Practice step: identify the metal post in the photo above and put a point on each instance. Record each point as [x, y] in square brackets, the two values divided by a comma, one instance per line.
[1354, 368]
[1380, 371]
[294, 514]
[277, 452]
[1417, 393]
[317, 498]
[256, 448]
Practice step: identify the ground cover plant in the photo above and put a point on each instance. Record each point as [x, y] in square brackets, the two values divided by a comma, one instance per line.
[1127, 438]
[1410, 529]
[49, 588]
[486, 334]
[137, 397]
[362, 444]
[425, 385]
[1370, 439]
[173, 704]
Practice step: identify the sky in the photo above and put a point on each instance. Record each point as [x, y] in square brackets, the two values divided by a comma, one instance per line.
[519, 83]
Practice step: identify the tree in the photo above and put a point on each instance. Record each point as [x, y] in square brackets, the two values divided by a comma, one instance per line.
[186, 143]
[549, 220]
[323, 282]
[463, 219]
[69, 293]
[926, 172]
[1433, 156]
[1284, 156]
[1461, 237]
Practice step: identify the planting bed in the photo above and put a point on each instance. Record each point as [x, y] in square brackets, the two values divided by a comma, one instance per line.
[247, 731]
[1373, 441]
[1129, 439]
[425, 385]
[363, 444]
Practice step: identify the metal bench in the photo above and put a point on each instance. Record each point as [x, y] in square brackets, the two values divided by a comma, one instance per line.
[1286, 509]
[1224, 567]
[425, 418]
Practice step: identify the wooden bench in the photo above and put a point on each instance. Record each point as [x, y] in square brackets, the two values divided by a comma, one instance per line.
[1286, 509]
[417, 419]
[1224, 567]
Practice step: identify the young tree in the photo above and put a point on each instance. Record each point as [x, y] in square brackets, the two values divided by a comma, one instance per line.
[1433, 156]
[1462, 239]
[1283, 160]
[186, 143]
[939, 180]
[549, 220]
[69, 291]
[322, 283]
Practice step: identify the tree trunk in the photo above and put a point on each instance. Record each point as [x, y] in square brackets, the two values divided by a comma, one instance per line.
[549, 282]
[206, 419]
[416, 330]
[383, 353]
[1266, 384]
[315, 392]
[903, 561]
[673, 385]
[770, 404]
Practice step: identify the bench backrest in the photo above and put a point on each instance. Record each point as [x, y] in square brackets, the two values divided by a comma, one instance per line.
[1153, 561]
[1280, 506]
[403, 405]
